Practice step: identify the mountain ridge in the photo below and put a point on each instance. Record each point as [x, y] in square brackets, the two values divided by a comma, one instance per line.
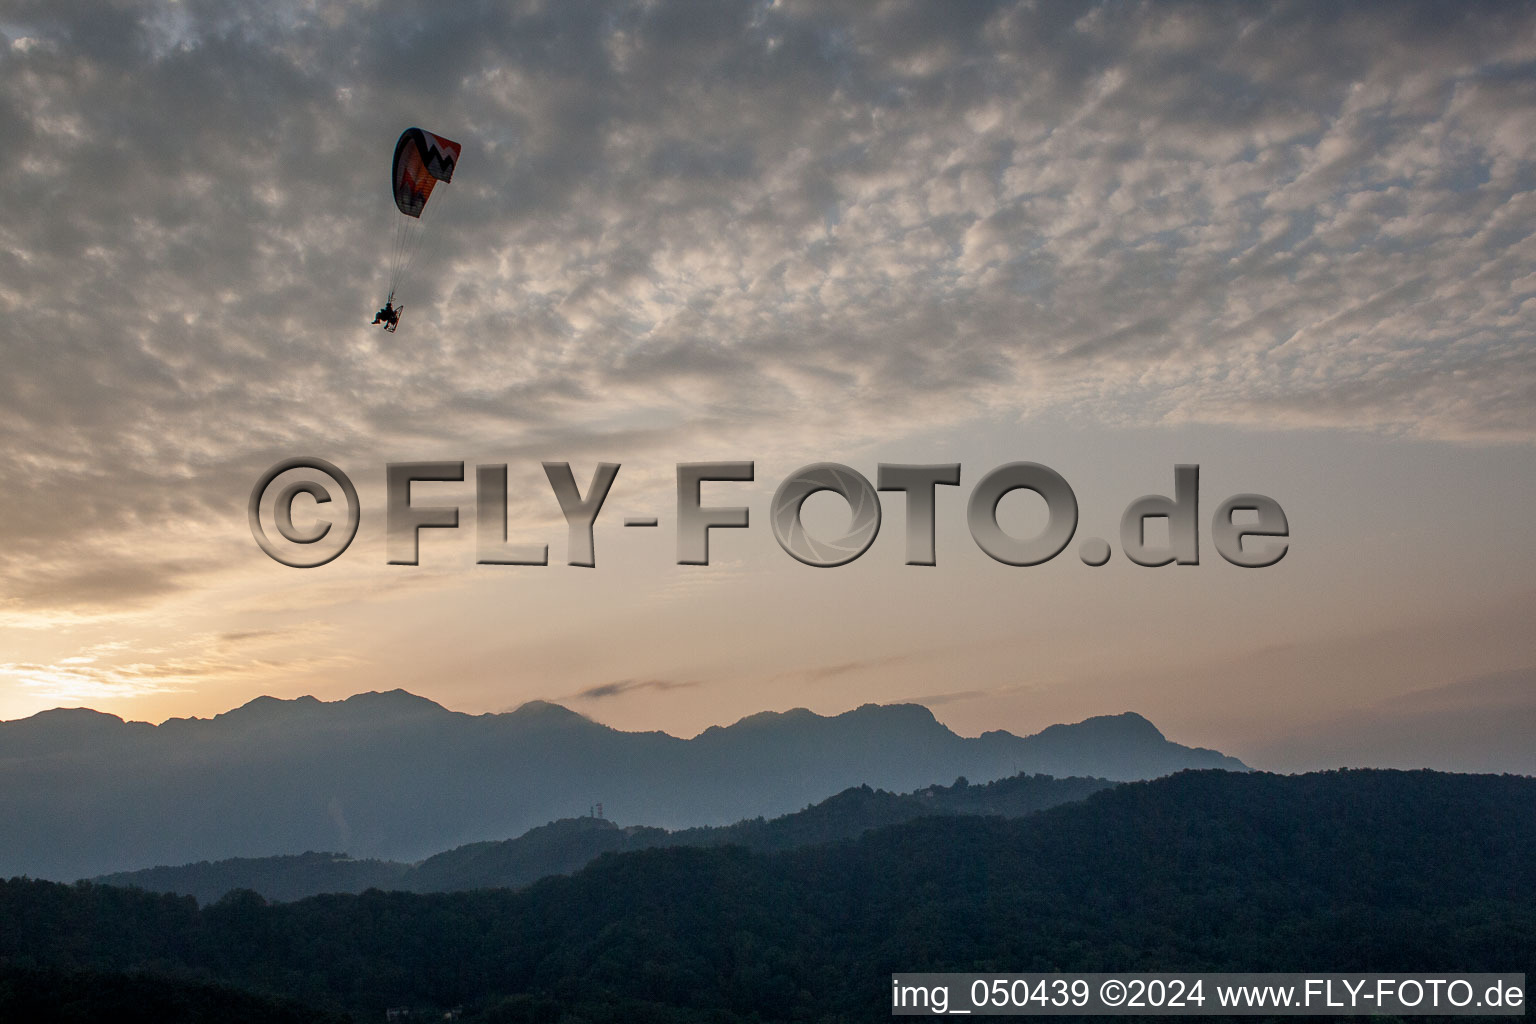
[391, 775]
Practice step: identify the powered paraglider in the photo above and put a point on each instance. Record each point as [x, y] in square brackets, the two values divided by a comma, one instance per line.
[422, 159]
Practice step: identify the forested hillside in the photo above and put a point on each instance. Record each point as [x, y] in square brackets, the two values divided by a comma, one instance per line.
[569, 844]
[1340, 871]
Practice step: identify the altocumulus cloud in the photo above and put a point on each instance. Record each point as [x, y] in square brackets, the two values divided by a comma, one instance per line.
[725, 218]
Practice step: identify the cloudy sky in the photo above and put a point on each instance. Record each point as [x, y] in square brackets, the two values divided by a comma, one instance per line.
[1292, 243]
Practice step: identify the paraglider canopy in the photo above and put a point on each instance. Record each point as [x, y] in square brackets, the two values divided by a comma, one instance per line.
[421, 161]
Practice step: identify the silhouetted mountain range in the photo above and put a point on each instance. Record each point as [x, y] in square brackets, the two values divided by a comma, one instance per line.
[396, 776]
[1361, 871]
[569, 844]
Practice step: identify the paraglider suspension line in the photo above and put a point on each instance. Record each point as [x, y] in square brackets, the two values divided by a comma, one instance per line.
[408, 233]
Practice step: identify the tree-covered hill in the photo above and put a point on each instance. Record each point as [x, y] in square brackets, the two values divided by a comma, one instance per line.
[564, 846]
[282, 878]
[567, 845]
[50, 996]
[1338, 871]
